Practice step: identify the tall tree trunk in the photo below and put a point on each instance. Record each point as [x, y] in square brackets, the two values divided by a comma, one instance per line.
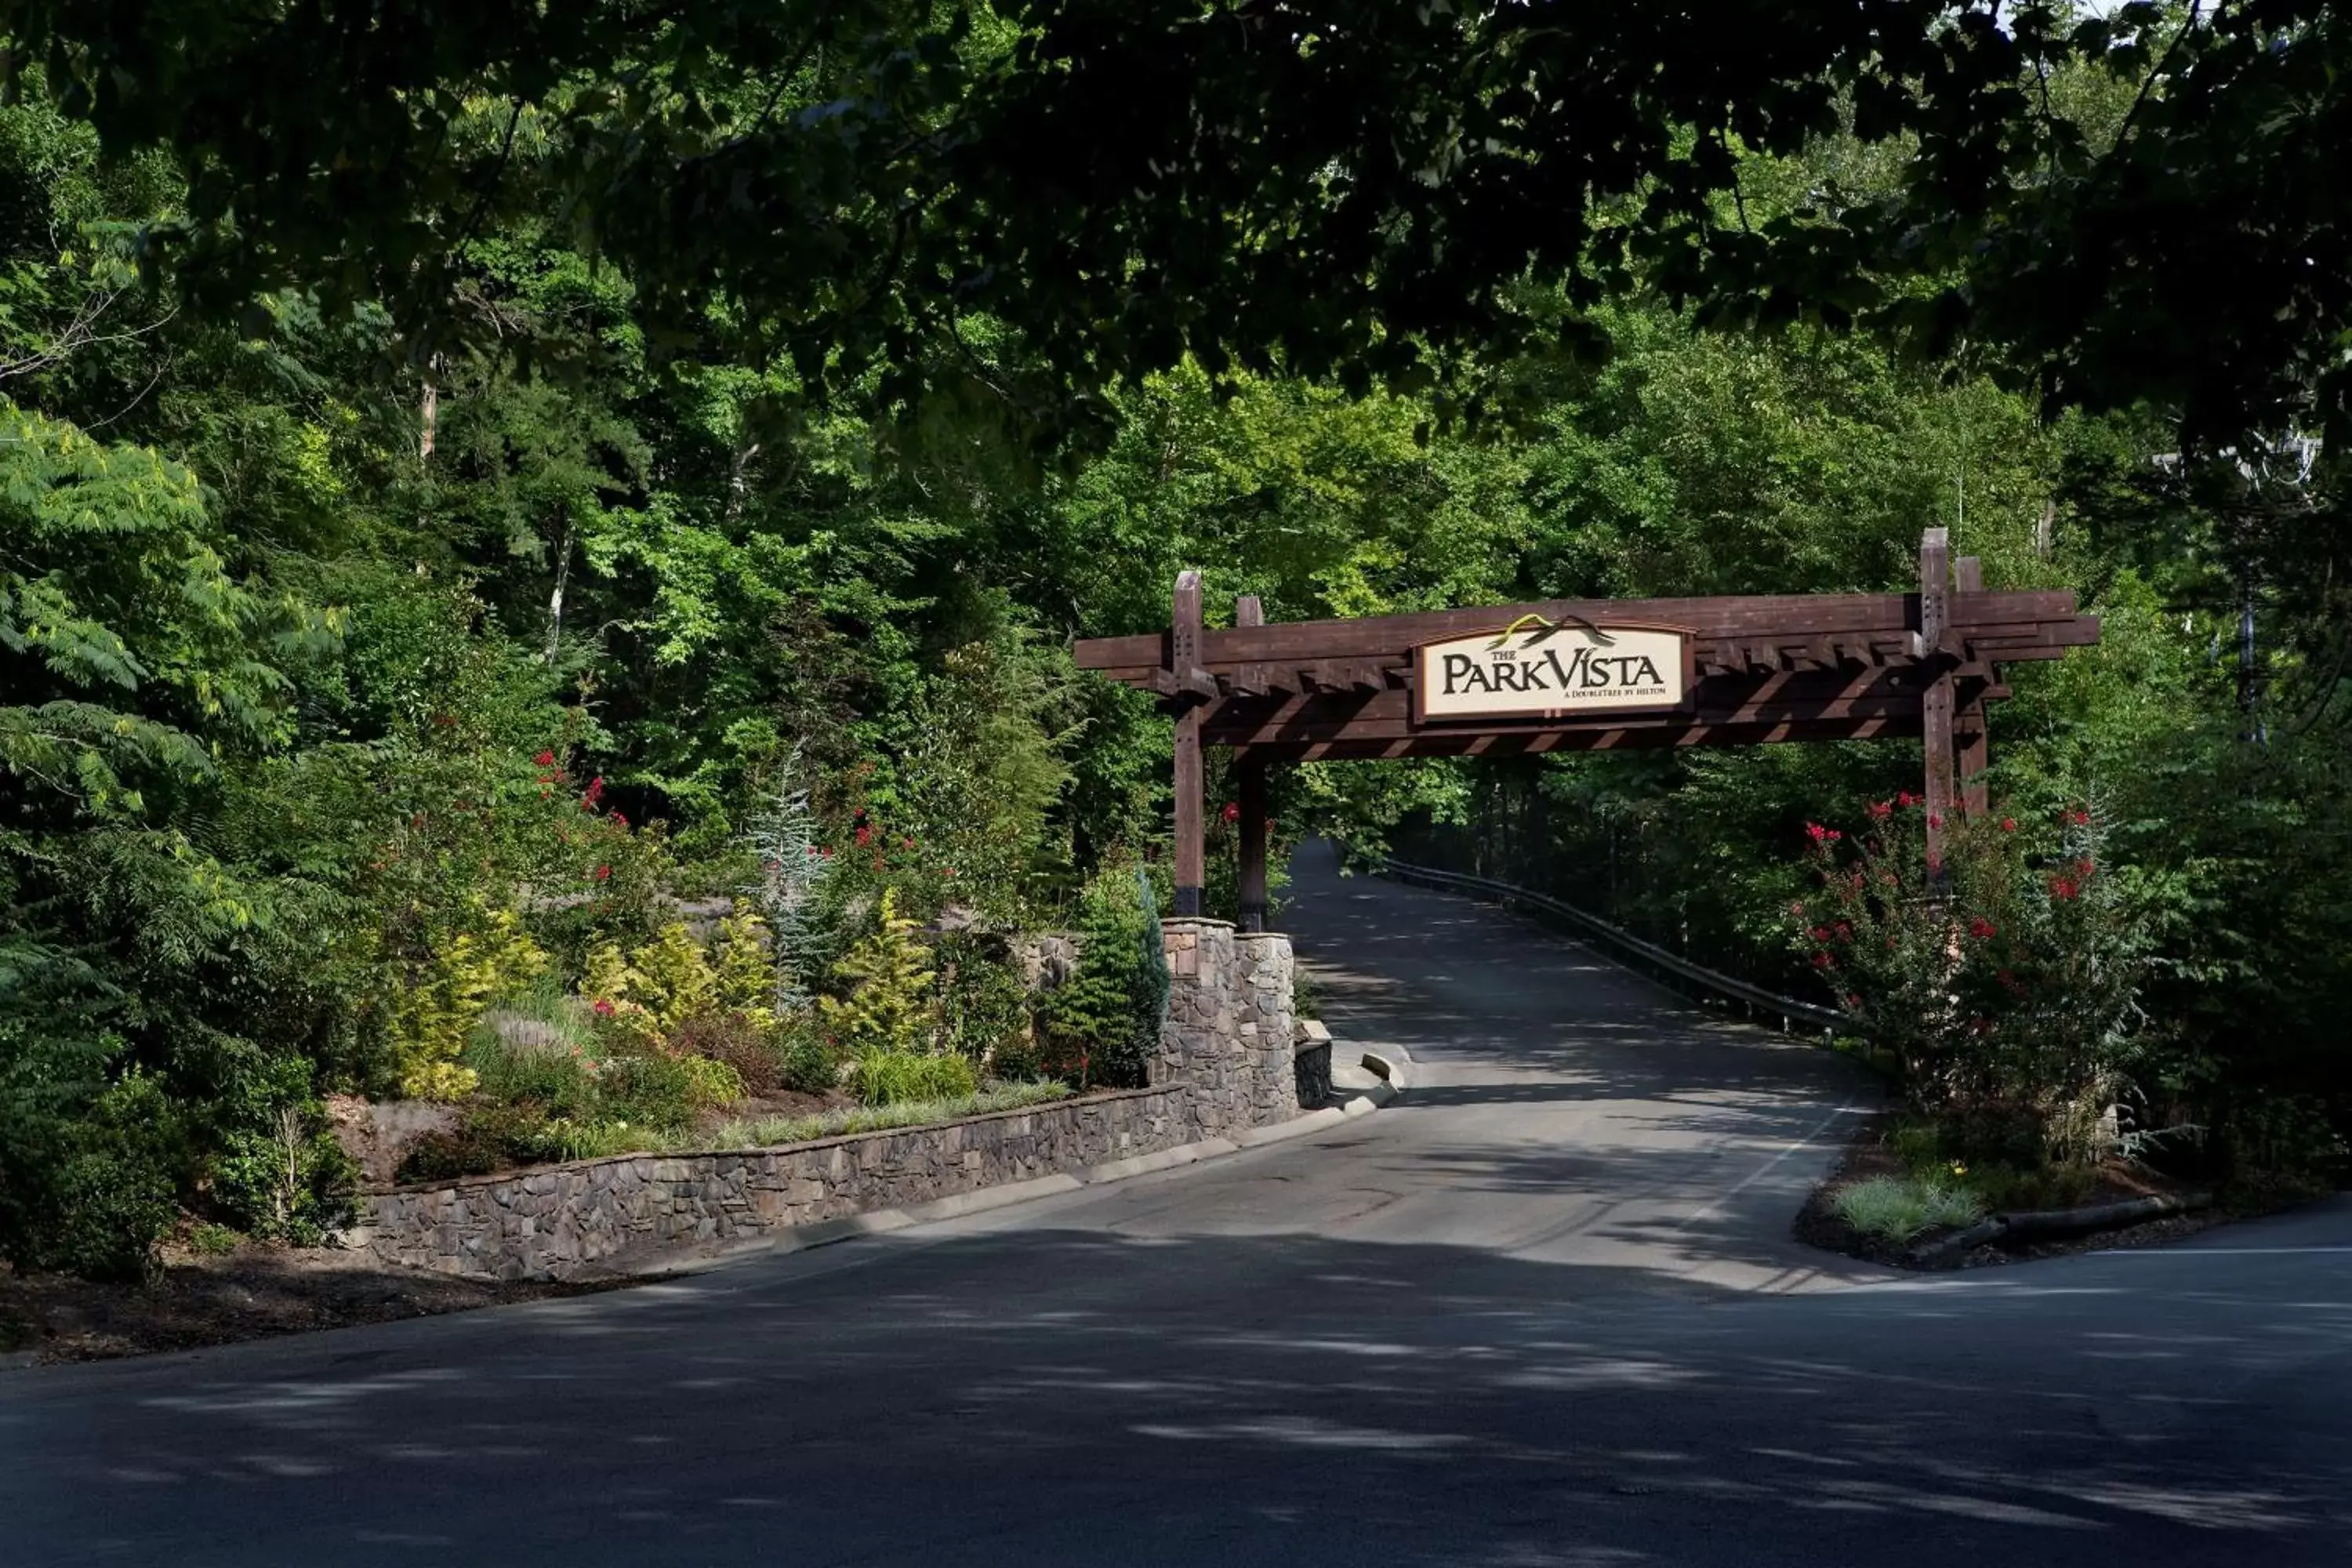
[738, 484]
[430, 409]
[555, 599]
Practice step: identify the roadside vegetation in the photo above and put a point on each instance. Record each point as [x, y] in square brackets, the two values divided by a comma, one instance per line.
[534, 585]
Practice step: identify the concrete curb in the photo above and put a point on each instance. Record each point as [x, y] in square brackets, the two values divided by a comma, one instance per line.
[1165, 1159]
[1391, 1064]
[1296, 1127]
[985, 1198]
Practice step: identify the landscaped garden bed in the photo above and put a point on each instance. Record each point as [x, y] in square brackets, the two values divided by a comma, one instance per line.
[1896, 1199]
[1999, 989]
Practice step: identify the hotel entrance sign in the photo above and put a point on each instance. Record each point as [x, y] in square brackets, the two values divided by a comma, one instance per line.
[1536, 668]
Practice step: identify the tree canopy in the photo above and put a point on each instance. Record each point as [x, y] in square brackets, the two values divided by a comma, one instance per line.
[2118, 206]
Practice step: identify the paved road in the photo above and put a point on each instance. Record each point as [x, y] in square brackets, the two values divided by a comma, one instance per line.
[1542, 1312]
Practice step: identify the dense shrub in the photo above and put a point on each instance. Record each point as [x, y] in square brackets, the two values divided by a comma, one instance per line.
[887, 975]
[984, 1005]
[1896, 1208]
[91, 1193]
[883, 1076]
[2005, 982]
[1104, 1022]
[754, 1054]
[810, 1064]
[280, 1172]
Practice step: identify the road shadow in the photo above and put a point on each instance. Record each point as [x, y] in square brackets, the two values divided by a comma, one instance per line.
[1061, 1396]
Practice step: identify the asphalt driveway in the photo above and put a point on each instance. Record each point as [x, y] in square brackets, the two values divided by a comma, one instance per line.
[1544, 1311]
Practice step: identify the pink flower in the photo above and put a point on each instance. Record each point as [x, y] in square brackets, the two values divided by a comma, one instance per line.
[1981, 927]
[1907, 798]
[1233, 813]
[604, 873]
[1816, 832]
[1823, 960]
[603, 1009]
[619, 821]
[865, 836]
[545, 759]
[1880, 810]
[2064, 889]
[1934, 819]
[2009, 825]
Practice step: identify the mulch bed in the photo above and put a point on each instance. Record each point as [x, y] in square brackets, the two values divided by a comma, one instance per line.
[1867, 1155]
[255, 1292]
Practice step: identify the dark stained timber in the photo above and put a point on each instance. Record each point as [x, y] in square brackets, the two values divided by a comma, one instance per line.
[1759, 669]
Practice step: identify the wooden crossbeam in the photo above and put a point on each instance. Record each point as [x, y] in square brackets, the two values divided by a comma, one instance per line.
[2004, 642]
[1879, 622]
[1388, 716]
[1620, 738]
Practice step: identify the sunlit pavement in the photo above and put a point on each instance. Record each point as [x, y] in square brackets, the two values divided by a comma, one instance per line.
[1544, 1311]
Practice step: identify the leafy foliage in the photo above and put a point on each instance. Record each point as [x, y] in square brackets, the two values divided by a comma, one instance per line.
[782, 836]
[435, 1014]
[1998, 984]
[885, 1077]
[1106, 1017]
[888, 1010]
[1897, 1208]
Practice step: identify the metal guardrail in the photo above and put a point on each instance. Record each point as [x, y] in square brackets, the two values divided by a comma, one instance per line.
[1714, 983]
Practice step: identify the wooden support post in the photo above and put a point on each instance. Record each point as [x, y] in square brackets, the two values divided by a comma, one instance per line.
[1247, 612]
[1184, 656]
[1936, 699]
[1972, 737]
[1253, 842]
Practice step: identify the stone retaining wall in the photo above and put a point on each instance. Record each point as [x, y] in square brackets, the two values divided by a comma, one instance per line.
[1225, 1064]
[558, 1221]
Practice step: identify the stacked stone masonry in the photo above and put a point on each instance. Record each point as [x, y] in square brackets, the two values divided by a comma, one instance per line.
[1225, 1063]
[1228, 1036]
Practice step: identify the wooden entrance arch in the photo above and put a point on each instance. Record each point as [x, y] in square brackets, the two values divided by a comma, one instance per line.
[1757, 670]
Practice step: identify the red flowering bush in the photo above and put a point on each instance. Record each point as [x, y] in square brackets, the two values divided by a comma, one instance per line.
[2005, 985]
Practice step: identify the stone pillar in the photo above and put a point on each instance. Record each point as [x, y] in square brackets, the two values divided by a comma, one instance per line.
[1196, 1042]
[1263, 969]
[1226, 1042]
